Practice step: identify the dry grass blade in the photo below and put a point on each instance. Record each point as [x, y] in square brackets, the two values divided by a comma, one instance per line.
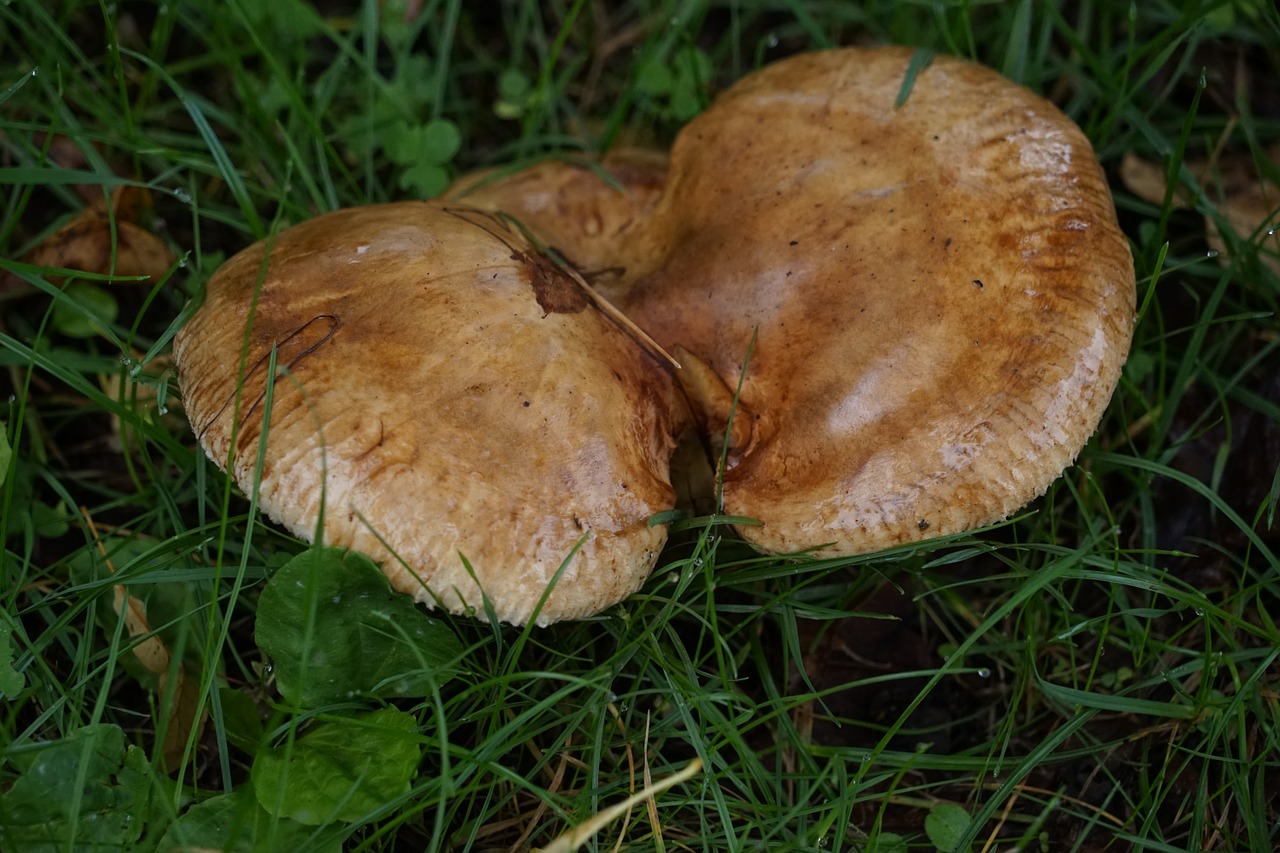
[184, 709]
[578, 835]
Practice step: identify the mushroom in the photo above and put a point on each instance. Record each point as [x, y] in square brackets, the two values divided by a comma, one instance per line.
[599, 210]
[903, 318]
[938, 291]
[445, 400]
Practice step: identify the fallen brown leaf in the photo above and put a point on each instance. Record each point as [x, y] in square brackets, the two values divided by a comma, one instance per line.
[104, 240]
[1249, 202]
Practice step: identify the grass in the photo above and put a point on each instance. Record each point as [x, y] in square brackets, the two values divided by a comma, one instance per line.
[1098, 673]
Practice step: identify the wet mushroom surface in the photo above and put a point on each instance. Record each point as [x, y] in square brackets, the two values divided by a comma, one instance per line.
[453, 401]
[923, 297]
[939, 294]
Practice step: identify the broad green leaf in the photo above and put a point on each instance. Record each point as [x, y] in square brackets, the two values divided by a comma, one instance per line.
[236, 823]
[433, 143]
[240, 719]
[425, 180]
[88, 791]
[334, 629]
[692, 67]
[96, 308]
[294, 18]
[685, 103]
[654, 78]
[945, 825]
[344, 770]
[403, 142]
[441, 140]
[887, 842]
[513, 85]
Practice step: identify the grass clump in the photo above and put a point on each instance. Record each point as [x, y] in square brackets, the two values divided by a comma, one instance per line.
[1098, 673]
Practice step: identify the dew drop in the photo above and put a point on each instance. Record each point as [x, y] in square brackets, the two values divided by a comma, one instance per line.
[1271, 232]
[697, 562]
[182, 195]
[771, 41]
[673, 578]
[984, 673]
[1199, 611]
[1212, 253]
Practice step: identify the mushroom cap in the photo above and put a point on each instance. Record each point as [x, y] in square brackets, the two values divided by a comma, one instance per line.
[442, 394]
[599, 214]
[940, 296]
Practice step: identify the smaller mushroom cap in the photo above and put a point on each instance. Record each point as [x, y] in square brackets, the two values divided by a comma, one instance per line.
[597, 215]
[449, 402]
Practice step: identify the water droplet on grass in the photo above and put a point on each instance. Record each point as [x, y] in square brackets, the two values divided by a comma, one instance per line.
[984, 673]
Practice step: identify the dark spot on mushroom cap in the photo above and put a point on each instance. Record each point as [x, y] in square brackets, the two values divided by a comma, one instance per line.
[556, 292]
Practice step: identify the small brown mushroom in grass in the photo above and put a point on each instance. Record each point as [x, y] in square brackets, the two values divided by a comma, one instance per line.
[938, 293]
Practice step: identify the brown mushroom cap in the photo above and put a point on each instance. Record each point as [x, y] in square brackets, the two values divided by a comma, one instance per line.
[599, 212]
[940, 294]
[446, 394]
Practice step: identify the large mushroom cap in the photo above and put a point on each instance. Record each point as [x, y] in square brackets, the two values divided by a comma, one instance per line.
[940, 295]
[447, 395]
